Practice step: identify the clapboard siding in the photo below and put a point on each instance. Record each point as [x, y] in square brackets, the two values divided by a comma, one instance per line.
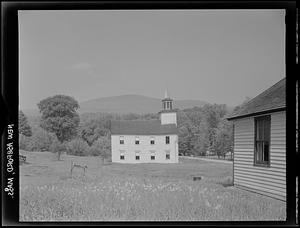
[276, 171]
[266, 180]
[274, 182]
[263, 174]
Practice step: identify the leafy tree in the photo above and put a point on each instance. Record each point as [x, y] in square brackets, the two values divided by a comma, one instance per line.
[224, 138]
[59, 116]
[101, 147]
[198, 128]
[40, 140]
[24, 128]
[92, 129]
[23, 142]
[57, 147]
[77, 147]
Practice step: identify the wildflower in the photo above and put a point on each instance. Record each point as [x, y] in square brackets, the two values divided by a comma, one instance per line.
[218, 206]
[207, 203]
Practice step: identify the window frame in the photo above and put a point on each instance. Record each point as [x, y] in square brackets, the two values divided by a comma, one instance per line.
[152, 154]
[168, 154]
[137, 140]
[167, 141]
[152, 139]
[268, 140]
[121, 140]
[122, 154]
[137, 155]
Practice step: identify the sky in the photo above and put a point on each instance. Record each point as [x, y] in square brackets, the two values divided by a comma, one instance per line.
[218, 56]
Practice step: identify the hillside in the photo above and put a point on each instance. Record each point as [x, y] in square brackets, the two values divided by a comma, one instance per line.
[132, 104]
[127, 104]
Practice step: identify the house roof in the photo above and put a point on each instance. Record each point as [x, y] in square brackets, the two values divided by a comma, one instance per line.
[141, 127]
[271, 100]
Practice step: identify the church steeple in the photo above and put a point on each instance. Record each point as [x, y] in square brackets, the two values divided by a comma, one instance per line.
[167, 102]
[168, 114]
[166, 94]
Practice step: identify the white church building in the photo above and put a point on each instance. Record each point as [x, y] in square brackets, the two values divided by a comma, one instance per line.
[146, 141]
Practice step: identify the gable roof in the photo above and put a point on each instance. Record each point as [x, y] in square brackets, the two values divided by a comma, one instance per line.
[141, 127]
[271, 100]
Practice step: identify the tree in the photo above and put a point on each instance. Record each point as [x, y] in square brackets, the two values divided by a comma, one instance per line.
[40, 140]
[91, 129]
[101, 147]
[224, 138]
[78, 147]
[24, 127]
[59, 116]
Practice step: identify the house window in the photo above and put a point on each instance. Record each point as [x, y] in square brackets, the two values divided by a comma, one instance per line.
[122, 155]
[137, 155]
[137, 141]
[152, 142]
[121, 139]
[152, 155]
[167, 139]
[262, 140]
[167, 155]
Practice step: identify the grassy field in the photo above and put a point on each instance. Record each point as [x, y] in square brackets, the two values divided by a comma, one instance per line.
[139, 192]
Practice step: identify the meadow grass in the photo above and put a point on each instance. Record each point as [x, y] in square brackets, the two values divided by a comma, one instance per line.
[140, 192]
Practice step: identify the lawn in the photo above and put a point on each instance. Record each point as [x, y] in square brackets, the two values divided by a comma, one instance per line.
[136, 192]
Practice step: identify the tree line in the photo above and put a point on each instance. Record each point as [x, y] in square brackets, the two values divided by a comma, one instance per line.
[202, 130]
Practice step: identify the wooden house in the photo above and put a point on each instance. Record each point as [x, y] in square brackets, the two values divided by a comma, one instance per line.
[259, 162]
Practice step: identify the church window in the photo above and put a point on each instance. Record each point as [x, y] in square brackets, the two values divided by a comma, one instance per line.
[167, 155]
[152, 155]
[122, 155]
[167, 139]
[121, 139]
[137, 140]
[152, 141]
[137, 155]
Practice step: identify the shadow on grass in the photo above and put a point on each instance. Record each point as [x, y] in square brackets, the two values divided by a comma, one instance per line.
[227, 182]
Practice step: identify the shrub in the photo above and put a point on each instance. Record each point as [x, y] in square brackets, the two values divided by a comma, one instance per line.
[24, 142]
[94, 151]
[78, 147]
[40, 140]
[101, 147]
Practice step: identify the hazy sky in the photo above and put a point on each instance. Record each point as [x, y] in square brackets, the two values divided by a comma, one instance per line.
[212, 55]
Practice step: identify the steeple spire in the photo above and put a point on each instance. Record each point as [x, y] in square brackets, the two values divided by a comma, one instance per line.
[166, 94]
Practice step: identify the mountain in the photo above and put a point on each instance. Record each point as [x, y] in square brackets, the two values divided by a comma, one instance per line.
[127, 104]
[132, 104]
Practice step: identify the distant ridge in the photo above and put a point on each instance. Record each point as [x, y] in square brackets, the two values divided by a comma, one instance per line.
[130, 103]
